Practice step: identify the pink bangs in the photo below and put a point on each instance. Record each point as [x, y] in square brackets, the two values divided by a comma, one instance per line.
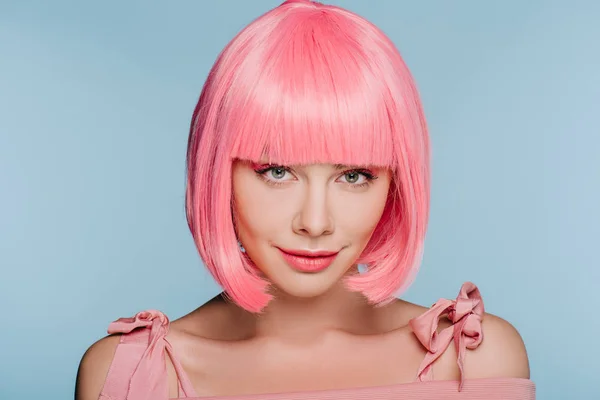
[307, 83]
[318, 97]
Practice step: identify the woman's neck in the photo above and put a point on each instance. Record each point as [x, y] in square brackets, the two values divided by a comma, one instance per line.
[296, 318]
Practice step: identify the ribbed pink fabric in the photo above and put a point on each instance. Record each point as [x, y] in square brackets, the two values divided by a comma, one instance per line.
[138, 370]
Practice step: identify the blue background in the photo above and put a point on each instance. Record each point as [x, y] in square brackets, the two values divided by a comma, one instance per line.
[95, 104]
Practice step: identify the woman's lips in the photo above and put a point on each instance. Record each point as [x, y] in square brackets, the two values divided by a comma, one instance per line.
[308, 261]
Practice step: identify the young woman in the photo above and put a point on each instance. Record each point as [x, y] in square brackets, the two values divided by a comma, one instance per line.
[308, 199]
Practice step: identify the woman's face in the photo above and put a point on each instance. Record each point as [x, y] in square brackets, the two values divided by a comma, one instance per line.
[305, 226]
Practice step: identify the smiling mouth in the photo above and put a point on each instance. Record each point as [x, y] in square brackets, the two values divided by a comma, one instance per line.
[308, 261]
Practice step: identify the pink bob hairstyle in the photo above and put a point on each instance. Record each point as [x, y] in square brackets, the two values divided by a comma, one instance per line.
[309, 83]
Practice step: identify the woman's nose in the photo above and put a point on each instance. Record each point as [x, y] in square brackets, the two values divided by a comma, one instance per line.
[313, 218]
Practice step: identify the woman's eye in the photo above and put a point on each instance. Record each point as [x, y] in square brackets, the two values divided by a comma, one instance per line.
[277, 173]
[357, 178]
[352, 176]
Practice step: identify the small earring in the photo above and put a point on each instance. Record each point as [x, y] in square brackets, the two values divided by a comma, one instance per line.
[242, 249]
[362, 268]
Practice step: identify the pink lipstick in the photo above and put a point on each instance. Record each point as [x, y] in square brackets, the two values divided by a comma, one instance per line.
[308, 261]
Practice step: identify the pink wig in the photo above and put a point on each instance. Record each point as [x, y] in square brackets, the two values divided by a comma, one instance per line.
[309, 83]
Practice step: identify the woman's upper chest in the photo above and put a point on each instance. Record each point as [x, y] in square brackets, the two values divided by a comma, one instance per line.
[268, 365]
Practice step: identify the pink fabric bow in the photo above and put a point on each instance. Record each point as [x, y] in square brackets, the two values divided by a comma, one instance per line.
[466, 314]
[149, 378]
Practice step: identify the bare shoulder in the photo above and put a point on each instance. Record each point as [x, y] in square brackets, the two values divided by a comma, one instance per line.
[502, 352]
[94, 366]
[212, 320]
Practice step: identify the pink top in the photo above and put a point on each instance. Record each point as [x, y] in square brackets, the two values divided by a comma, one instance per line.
[139, 372]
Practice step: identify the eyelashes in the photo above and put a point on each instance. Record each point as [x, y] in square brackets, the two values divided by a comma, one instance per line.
[278, 169]
[358, 177]
[262, 171]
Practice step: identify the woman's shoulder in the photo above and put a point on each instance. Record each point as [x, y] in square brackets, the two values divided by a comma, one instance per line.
[94, 367]
[502, 352]
[98, 360]
[108, 354]
[213, 320]
[494, 346]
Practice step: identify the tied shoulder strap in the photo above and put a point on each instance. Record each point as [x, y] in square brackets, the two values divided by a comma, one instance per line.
[466, 314]
[139, 368]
